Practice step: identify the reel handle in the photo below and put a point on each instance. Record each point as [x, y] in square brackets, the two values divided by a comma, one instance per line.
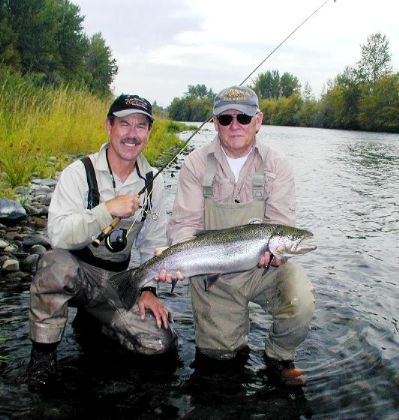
[96, 242]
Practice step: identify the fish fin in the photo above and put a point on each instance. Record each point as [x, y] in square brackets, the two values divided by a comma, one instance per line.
[125, 285]
[202, 233]
[174, 282]
[255, 221]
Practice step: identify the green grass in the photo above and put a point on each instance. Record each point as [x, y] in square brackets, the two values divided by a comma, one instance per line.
[37, 123]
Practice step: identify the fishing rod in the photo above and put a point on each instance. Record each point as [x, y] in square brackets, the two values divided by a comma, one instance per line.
[107, 230]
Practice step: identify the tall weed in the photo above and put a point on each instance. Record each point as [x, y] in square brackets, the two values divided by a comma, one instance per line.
[39, 122]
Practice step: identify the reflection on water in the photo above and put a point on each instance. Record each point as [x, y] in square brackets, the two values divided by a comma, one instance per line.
[347, 188]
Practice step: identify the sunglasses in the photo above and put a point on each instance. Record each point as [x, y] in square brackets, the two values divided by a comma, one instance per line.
[226, 120]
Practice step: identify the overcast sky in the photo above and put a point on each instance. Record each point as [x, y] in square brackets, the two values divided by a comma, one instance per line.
[162, 46]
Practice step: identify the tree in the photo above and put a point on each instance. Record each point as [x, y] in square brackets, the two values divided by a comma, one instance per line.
[199, 91]
[379, 107]
[45, 38]
[270, 85]
[35, 27]
[263, 85]
[287, 109]
[72, 42]
[195, 105]
[289, 85]
[101, 68]
[375, 60]
[8, 39]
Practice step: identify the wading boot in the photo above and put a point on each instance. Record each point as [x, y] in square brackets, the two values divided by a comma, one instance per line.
[284, 372]
[42, 366]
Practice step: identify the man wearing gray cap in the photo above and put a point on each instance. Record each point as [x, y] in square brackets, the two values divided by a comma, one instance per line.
[226, 183]
[89, 194]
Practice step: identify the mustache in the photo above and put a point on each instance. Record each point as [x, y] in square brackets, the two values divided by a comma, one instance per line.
[131, 140]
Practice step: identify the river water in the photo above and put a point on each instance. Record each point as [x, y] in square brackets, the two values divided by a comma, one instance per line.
[348, 195]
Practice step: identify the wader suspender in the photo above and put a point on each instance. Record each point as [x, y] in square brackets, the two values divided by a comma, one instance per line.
[258, 181]
[93, 198]
[149, 177]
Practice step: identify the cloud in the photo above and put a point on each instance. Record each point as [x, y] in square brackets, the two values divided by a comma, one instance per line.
[162, 46]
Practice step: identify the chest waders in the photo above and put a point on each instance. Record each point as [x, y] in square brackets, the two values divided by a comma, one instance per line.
[221, 312]
[63, 279]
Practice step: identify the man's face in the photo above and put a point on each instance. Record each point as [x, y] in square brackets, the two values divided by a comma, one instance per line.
[128, 135]
[238, 139]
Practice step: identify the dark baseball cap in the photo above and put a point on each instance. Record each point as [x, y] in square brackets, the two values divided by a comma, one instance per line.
[125, 105]
[239, 98]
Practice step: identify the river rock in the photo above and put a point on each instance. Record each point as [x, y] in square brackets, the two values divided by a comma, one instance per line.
[11, 248]
[21, 190]
[23, 236]
[51, 183]
[10, 265]
[38, 222]
[29, 264]
[11, 212]
[37, 249]
[29, 241]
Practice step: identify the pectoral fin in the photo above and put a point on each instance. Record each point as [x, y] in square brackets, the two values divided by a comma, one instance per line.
[174, 282]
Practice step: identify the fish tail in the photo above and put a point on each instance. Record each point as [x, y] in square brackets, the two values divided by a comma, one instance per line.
[126, 287]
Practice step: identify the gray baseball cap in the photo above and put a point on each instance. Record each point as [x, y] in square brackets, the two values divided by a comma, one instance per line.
[239, 98]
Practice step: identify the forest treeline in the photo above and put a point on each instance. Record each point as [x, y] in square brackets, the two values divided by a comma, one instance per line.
[45, 40]
[364, 96]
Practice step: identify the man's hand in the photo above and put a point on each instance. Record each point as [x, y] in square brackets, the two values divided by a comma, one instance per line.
[149, 301]
[276, 262]
[163, 276]
[123, 205]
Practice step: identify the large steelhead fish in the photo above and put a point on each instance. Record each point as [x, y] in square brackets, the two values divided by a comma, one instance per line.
[215, 252]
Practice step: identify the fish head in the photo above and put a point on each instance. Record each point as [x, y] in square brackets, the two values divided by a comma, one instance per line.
[288, 240]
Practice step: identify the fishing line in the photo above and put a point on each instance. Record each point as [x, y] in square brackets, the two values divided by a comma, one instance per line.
[283, 41]
[116, 220]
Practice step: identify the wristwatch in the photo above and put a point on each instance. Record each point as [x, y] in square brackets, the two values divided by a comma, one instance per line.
[151, 289]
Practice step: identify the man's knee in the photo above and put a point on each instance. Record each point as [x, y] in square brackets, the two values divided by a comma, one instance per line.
[296, 291]
[57, 269]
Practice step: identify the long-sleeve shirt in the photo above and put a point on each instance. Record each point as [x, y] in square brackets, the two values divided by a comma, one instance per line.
[188, 211]
[72, 226]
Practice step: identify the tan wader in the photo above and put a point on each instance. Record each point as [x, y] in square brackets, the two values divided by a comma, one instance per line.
[64, 280]
[221, 312]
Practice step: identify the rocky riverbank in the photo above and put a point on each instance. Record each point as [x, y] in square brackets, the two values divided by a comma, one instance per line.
[23, 237]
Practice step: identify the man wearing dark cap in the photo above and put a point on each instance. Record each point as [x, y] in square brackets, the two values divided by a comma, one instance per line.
[226, 183]
[89, 195]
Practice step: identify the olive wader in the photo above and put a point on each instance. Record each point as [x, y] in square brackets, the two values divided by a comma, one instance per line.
[221, 311]
[80, 279]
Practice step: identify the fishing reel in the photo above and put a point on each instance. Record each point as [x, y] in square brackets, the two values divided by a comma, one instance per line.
[116, 240]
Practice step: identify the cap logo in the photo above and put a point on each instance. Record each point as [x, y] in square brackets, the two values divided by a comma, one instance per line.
[136, 102]
[235, 95]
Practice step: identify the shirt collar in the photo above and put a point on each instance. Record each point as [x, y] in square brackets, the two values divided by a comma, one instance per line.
[101, 163]
[215, 148]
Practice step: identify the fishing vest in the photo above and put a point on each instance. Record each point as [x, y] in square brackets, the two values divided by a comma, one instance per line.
[101, 256]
